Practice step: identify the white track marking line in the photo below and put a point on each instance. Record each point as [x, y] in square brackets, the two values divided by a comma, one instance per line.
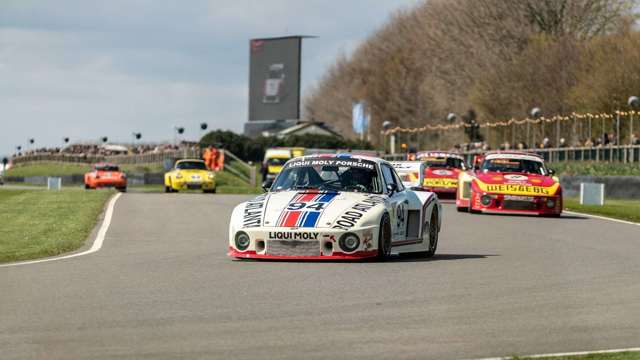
[97, 243]
[577, 353]
[602, 218]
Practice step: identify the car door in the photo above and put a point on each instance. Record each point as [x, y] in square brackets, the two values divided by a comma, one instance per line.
[398, 204]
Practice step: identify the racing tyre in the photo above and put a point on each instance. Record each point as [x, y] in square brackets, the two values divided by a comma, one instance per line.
[87, 187]
[433, 235]
[167, 189]
[384, 238]
[122, 189]
[462, 209]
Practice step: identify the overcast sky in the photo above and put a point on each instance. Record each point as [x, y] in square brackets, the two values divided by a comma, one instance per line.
[87, 69]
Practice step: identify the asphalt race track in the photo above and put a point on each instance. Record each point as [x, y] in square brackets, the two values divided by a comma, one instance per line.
[162, 287]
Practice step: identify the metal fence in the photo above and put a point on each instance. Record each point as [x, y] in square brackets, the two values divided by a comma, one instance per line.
[149, 158]
[623, 154]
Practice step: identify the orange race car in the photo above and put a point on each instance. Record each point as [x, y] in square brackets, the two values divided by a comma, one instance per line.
[105, 176]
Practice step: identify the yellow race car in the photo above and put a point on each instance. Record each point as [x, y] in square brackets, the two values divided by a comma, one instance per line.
[190, 174]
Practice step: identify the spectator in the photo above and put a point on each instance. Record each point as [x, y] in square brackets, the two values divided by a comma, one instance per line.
[563, 143]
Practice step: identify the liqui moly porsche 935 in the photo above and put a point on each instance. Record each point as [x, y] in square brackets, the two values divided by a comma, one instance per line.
[327, 207]
[510, 182]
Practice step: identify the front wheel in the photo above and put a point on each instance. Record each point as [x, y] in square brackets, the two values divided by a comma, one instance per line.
[384, 238]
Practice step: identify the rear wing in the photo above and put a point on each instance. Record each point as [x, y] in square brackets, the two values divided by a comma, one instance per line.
[410, 172]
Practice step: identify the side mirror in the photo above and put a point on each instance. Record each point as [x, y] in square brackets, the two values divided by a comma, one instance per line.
[266, 185]
[551, 172]
[391, 188]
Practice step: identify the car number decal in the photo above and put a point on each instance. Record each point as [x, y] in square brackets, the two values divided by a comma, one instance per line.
[304, 209]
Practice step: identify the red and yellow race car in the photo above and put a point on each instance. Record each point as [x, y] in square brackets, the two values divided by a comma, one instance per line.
[105, 176]
[510, 182]
[441, 172]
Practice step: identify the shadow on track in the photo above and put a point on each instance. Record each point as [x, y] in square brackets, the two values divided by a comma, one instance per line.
[392, 259]
[438, 257]
[563, 216]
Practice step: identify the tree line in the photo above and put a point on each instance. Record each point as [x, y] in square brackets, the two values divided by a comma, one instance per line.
[495, 59]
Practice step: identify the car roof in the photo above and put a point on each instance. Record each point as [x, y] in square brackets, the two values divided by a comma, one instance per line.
[438, 154]
[513, 155]
[342, 156]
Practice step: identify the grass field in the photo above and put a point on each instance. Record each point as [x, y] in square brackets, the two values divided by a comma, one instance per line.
[592, 168]
[613, 356]
[618, 209]
[38, 223]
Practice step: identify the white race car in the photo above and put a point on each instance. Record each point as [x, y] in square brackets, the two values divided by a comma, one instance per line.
[328, 207]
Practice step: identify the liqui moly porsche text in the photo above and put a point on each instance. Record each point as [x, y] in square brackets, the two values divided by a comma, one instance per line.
[284, 235]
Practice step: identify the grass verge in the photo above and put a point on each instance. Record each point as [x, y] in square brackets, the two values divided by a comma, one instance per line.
[618, 209]
[612, 356]
[592, 168]
[228, 183]
[37, 223]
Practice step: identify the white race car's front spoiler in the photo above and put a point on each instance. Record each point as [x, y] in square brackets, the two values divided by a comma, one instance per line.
[305, 243]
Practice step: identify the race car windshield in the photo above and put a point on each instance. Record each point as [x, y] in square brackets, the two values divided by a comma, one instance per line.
[107, 168]
[191, 165]
[329, 175]
[514, 165]
[444, 163]
[276, 162]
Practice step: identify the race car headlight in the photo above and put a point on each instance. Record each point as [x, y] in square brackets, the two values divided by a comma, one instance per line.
[349, 242]
[551, 203]
[485, 200]
[211, 175]
[242, 240]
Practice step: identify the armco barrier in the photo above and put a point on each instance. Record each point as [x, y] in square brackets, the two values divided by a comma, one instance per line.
[78, 179]
[618, 187]
[233, 164]
[609, 153]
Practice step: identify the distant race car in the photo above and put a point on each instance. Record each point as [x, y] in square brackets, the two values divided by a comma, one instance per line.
[410, 172]
[441, 173]
[510, 182]
[328, 207]
[105, 176]
[190, 174]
